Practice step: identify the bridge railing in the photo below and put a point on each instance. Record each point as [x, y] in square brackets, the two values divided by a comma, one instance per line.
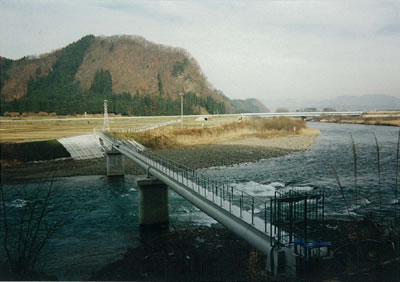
[264, 213]
[234, 200]
[188, 176]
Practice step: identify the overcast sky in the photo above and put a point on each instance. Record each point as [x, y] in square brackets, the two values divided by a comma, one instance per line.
[263, 49]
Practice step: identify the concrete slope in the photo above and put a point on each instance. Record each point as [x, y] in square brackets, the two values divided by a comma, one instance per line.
[83, 146]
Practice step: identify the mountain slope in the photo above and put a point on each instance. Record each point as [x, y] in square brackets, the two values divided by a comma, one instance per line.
[138, 66]
[137, 76]
[248, 106]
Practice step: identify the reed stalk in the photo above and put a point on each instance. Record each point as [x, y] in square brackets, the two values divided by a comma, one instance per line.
[397, 167]
[340, 187]
[378, 157]
[355, 169]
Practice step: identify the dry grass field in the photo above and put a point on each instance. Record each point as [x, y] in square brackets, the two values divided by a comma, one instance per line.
[36, 128]
[221, 132]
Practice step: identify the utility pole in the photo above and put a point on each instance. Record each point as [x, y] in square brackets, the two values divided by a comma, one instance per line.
[106, 123]
[181, 94]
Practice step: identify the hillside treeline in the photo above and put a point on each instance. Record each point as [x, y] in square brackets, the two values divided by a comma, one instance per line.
[136, 76]
[58, 91]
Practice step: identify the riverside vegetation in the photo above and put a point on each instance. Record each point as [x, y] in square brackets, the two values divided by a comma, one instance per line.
[256, 127]
[367, 248]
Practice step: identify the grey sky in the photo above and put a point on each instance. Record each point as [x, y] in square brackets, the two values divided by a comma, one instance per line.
[262, 49]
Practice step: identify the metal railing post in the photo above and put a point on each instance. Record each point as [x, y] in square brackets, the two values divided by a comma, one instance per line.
[291, 222]
[279, 221]
[230, 202]
[270, 218]
[305, 218]
[265, 216]
[240, 204]
[252, 210]
[220, 199]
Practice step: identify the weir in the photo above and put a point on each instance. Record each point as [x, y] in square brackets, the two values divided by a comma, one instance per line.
[262, 223]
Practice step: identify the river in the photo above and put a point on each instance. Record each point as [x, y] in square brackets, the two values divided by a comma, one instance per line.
[101, 214]
[312, 170]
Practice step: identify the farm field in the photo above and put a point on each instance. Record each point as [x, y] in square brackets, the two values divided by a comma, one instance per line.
[37, 129]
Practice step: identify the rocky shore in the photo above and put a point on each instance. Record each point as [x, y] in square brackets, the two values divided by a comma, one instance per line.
[190, 254]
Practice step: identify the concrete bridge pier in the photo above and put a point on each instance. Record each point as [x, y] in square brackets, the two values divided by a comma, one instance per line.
[115, 163]
[283, 264]
[153, 201]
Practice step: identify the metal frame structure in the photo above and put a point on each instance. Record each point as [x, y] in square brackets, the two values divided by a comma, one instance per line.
[106, 122]
[295, 213]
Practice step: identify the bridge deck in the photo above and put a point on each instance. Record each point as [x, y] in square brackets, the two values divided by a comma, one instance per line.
[243, 214]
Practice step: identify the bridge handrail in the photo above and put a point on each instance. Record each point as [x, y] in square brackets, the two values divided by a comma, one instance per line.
[179, 168]
[154, 156]
[245, 202]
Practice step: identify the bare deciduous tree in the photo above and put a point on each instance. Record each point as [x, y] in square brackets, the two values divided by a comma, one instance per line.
[28, 223]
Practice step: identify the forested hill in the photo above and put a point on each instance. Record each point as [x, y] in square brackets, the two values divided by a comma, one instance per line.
[138, 77]
[248, 106]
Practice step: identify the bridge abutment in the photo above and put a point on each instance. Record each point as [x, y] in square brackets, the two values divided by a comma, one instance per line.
[115, 163]
[153, 201]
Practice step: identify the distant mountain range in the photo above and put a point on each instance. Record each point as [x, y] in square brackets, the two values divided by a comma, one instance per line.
[138, 77]
[373, 102]
[365, 102]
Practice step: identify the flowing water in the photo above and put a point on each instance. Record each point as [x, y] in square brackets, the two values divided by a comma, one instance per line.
[101, 222]
[101, 215]
[312, 170]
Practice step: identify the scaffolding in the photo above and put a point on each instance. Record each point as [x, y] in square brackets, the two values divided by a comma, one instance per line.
[297, 218]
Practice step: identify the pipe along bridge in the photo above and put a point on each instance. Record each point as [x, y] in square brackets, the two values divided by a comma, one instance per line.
[279, 227]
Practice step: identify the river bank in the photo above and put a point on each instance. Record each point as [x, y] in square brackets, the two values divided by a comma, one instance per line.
[215, 254]
[189, 254]
[366, 120]
[226, 154]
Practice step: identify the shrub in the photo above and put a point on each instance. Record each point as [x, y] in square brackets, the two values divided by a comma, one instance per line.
[11, 114]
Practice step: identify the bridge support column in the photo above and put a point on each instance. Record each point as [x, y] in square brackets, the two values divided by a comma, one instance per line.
[115, 163]
[283, 264]
[153, 201]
